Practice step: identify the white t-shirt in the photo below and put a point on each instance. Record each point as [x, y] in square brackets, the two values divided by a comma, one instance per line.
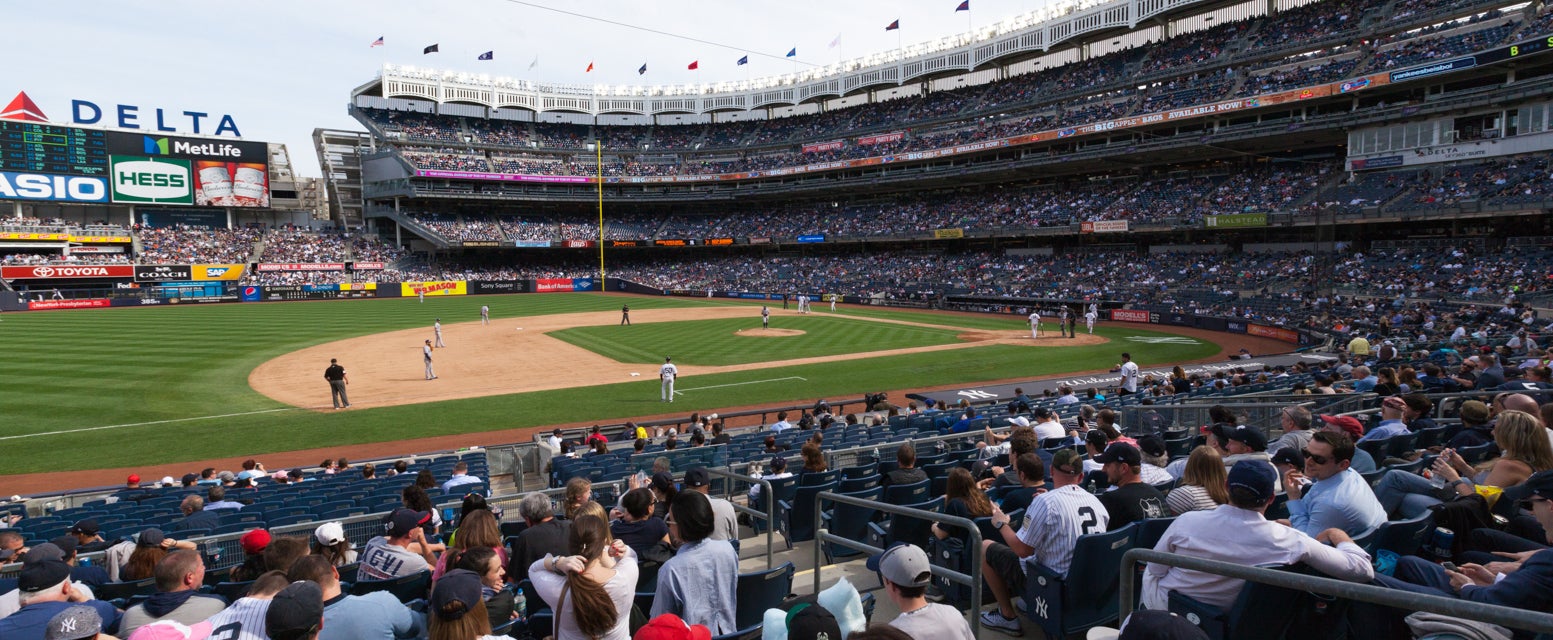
[1050, 429]
[1130, 376]
[937, 621]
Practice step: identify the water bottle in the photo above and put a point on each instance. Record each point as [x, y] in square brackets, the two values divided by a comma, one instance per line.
[876, 456]
[1434, 479]
[520, 605]
[85, 562]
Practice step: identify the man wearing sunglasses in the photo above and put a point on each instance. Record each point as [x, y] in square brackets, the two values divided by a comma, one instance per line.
[1528, 587]
[1337, 497]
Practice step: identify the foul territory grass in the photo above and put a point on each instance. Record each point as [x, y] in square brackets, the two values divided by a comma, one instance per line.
[69, 374]
[717, 342]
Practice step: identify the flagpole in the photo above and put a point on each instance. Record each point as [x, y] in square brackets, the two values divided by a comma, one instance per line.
[598, 147]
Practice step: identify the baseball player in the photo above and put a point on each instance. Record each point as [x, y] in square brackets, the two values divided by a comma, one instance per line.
[1089, 319]
[485, 314]
[335, 374]
[625, 314]
[421, 293]
[765, 317]
[1062, 320]
[426, 355]
[436, 328]
[833, 297]
[1129, 371]
[1035, 324]
[666, 374]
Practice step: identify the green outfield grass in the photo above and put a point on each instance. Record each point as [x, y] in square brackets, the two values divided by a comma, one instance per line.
[74, 379]
[716, 342]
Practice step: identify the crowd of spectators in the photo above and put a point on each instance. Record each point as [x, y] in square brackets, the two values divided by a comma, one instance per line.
[291, 245]
[183, 244]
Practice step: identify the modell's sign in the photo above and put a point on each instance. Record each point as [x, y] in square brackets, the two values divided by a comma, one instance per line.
[53, 272]
[301, 266]
[1129, 315]
[368, 266]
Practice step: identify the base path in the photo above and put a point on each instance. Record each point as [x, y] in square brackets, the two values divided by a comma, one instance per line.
[515, 355]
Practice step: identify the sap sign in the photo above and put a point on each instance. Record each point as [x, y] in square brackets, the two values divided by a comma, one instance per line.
[125, 116]
[36, 186]
[152, 180]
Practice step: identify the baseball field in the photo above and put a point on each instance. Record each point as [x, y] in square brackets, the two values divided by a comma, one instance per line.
[121, 388]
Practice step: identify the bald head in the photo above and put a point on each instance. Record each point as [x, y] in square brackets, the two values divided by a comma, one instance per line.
[1519, 402]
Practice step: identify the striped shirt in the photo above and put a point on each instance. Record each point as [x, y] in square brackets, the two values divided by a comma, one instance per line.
[244, 620]
[1189, 497]
[1055, 520]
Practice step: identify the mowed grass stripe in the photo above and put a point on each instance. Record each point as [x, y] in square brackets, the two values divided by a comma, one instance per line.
[717, 342]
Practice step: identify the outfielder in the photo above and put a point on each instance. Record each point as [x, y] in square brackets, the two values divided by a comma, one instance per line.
[666, 374]
[485, 314]
[426, 355]
[1089, 319]
[1035, 324]
[765, 317]
[833, 297]
[436, 328]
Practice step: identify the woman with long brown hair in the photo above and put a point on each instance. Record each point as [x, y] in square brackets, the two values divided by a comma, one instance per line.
[578, 491]
[593, 588]
[478, 529]
[150, 547]
[457, 608]
[1204, 483]
[963, 498]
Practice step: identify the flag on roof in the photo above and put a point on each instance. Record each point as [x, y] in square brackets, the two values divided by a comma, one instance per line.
[487, 55]
[793, 52]
[893, 26]
[642, 70]
[430, 49]
[590, 67]
[744, 60]
[377, 43]
[837, 42]
[965, 5]
[695, 64]
[533, 64]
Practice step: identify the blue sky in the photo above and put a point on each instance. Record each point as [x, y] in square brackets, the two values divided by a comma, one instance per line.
[281, 68]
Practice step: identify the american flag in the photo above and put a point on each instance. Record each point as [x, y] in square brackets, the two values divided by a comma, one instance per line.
[377, 43]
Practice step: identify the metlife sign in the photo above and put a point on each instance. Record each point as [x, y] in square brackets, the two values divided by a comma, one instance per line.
[149, 180]
[38, 186]
[125, 143]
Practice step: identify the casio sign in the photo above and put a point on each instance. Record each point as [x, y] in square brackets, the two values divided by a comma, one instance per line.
[35, 186]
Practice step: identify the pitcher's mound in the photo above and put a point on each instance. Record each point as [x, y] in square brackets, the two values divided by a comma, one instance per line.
[768, 333]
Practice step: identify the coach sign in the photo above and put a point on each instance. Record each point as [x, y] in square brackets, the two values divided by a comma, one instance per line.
[57, 272]
[164, 273]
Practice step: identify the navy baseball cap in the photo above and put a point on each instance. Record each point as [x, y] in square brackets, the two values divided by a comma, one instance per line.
[1121, 452]
[1256, 476]
[1540, 483]
[697, 477]
[1250, 437]
[1290, 456]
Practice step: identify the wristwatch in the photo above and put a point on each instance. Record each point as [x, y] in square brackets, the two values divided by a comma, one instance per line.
[999, 525]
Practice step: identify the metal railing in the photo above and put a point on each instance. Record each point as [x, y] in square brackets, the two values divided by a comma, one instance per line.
[973, 580]
[1525, 619]
[769, 515]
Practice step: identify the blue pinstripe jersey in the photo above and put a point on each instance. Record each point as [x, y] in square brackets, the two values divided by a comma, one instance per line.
[244, 620]
[1055, 520]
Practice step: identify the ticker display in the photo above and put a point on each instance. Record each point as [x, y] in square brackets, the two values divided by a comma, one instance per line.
[33, 147]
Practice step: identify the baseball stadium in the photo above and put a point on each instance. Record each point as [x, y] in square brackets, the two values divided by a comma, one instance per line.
[1115, 319]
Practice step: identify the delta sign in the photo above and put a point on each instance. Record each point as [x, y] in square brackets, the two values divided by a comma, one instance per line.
[127, 116]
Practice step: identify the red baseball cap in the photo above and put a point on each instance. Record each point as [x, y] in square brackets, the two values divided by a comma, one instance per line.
[255, 542]
[670, 627]
[1349, 424]
[133, 478]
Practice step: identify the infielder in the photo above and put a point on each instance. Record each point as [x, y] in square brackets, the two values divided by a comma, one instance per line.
[1035, 324]
[833, 297]
[485, 314]
[765, 317]
[1089, 320]
[1129, 371]
[1062, 320]
[426, 355]
[666, 374]
[625, 314]
[436, 328]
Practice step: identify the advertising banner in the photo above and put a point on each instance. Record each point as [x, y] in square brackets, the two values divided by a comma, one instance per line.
[811, 238]
[480, 243]
[225, 173]
[1383, 162]
[102, 239]
[251, 294]
[163, 273]
[582, 284]
[53, 272]
[368, 266]
[627, 243]
[894, 136]
[12, 235]
[1276, 333]
[147, 180]
[823, 146]
[532, 244]
[159, 218]
[126, 143]
[552, 285]
[674, 242]
[945, 234]
[1103, 226]
[265, 267]
[39, 186]
[1178, 319]
[1235, 220]
[231, 184]
[478, 287]
[438, 288]
[760, 240]
[1129, 315]
[93, 249]
[579, 244]
[1235, 326]
[357, 286]
[222, 272]
[717, 242]
[49, 305]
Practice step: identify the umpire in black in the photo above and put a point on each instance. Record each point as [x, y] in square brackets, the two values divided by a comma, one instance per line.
[335, 374]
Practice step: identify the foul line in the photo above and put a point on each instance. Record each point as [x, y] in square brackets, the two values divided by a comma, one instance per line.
[142, 424]
[735, 384]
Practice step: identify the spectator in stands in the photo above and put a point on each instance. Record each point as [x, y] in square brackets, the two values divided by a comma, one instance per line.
[1295, 422]
[596, 581]
[1475, 427]
[781, 424]
[1237, 532]
[253, 544]
[906, 574]
[414, 498]
[330, 542]
[698, 583]
[813, 460]
[12, 547]
[1155, 458]
[459, 478]
[194, 515]
[241, 616]
[1363, 380]
[216, 500]
[646, 535]
[86, 577]
[251, 469]
[1527, 585]
[723, 513]
[402, 551]
[578, 491]
[478, 529]
[1392, 410]
[1386, 382]
[457, 608]
[544, 535]
[179, 576]
[76, 622]
[137, 559]
[775, 470]
[772, 446]
[1053, 523]
[347, 617]
[1363, 462]
[1338, 497]
[1047, 425]
[44, 590]
[963, 499]
[483, 561]
[1066, 395]
[1526, 451]
[282, 552]
[1491, 375]
[1032, 482]
[1131, 499]
[906, 471]
[663, 489]
[1245, 443]
[88, 536]
[62, 549]
[1202, 483]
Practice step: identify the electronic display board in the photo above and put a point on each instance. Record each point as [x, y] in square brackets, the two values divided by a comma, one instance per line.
[36, 147]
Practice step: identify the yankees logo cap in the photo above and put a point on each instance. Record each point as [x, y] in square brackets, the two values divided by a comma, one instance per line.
[75, 622]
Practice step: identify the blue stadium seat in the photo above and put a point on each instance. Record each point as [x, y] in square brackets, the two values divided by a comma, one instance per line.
[1087, 596]
[783, 490]
[861, 470]
[904, 494]
[819, 477]
[758, 592]
[854, 485]
[1260, 611]
[799, 517]
[849, 521]
[405, 588]
[900, 528]
[1404, 537]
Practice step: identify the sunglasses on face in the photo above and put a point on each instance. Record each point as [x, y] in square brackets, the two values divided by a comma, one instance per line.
[1315, 458]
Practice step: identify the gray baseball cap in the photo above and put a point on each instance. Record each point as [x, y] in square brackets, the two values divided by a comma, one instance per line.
[73, 623]
[906, 565]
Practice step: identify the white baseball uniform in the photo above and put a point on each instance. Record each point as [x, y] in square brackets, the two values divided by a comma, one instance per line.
[1130, 376]
[1035, 324]
[485, 314]
[765, 316]
[436, 327]
[666, 374]
[426, 355]
[833, 297]
[1089, 319]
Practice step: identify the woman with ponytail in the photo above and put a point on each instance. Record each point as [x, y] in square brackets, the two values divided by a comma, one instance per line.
[592, 589]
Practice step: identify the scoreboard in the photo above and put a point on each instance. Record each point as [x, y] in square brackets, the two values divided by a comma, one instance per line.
[35, 147]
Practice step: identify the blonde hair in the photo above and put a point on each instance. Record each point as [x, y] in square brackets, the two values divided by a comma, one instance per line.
[1205, 468]
[1523, 438]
